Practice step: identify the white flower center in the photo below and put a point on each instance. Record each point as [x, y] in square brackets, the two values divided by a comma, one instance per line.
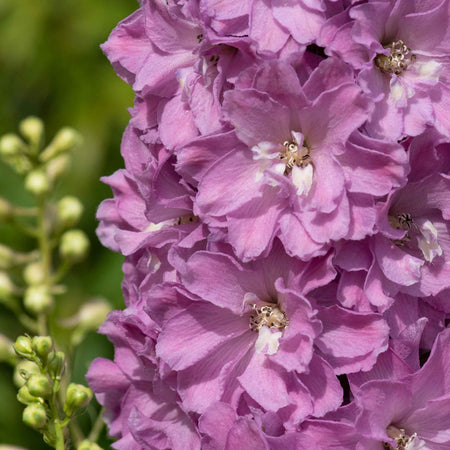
[171, 222]
[292, 158]
[424, 231]
[399, 59]
[268, 321]
[428, 241]
[403, 441]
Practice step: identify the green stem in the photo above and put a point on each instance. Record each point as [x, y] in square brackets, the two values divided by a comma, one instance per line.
[25, 212]
[46, 255]
[59, 435]
[76, 433]
[97, 427]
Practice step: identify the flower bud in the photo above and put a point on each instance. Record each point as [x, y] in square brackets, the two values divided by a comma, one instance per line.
[23, 347]
[37, 182]
[34, 273]
[33, 129]
[35, 416]
[25, 397]
[65, 140]
[7, 287]
[42, 346]
[55, 364]
[37, 299]
[11, 145]
[88, 445]
[39, 385]
[70, 210]
[57, 166]
[6, 210]
[74, 245]
[7, 353]
[93, 313]
[77, 396]
[7, 257]
[24, 369]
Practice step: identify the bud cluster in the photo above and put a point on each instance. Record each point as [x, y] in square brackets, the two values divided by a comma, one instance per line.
[39, 378]
[30, 282]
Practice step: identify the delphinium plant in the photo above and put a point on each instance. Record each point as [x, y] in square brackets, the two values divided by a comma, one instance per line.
[284, 216]
[31, 285]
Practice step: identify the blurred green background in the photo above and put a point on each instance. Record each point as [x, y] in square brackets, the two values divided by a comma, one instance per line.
[52, 67]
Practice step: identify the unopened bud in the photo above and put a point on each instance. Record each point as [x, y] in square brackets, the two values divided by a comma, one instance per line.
[39, 386]
[25, 397]
[37, 299]
[34, 273]
[55, 365]
[77, 396]
[23, 347]
[32, 128]
[7, 287]
[23, 370]
[37, 182]
[88, 445]
[35, 416]
[57, 166]
[11, 145]
[70, 210]
[42, 346]
[74, 245]
[65, 140]
[7, 353]
[93, 313]
[6, 210]
[8, 257]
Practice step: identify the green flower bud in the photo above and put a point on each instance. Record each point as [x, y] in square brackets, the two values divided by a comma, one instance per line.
[65, 140]
[55, 364]
[39, 385]
[6, 210]
[37, 299]
[37, 182]
[70, 210]
[33, 129]
[74, 245]
[77, 396]
[34, 273]
[11, 145]
[10, 258]
[88, 445]
[7, 287]
[42, 346]
[7, 353]
[23, 347]
[93, 313]
[25, 397]
[35, 416]
[57, 166]
[23, 370]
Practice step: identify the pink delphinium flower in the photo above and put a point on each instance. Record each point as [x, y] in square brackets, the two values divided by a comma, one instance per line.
[401, 50]
[252, 330]
[292, 177]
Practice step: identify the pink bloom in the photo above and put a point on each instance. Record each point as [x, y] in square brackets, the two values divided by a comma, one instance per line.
[295, 171]
[253, 331]
[401, 51]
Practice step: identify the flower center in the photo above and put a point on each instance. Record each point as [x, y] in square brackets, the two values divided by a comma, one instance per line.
[268, 316]
[403, 441]
[422, 230]
[182, 220]
[399, 59]
[293, 156]
[402, 221]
